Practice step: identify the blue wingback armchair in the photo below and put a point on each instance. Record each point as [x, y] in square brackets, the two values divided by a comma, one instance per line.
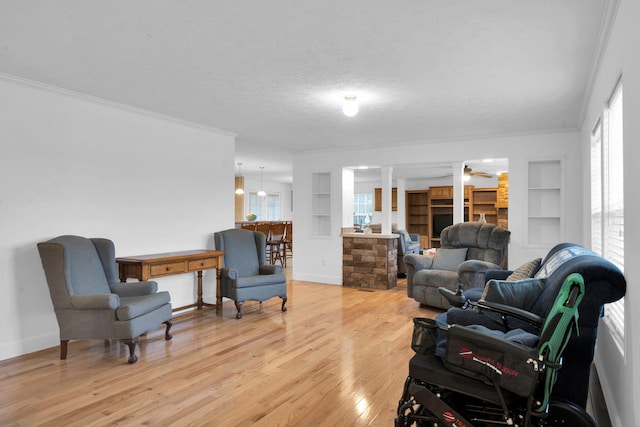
[89, 300]
[246, 275]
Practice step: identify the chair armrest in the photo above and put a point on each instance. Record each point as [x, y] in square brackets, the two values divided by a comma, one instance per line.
[507, 310]
[419, 262]
[270, 269]
[134, 289]
[472, 272]
[229, 273]
[95, 302]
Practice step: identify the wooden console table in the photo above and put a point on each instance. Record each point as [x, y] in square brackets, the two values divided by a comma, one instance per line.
[145, 267]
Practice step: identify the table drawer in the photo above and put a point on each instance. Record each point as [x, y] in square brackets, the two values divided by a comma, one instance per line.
[202, 264]
[168, 268]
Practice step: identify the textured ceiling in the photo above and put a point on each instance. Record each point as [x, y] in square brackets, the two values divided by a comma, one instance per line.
[275, 72]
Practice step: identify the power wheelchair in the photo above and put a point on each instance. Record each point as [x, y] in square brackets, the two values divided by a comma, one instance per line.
[475, 376]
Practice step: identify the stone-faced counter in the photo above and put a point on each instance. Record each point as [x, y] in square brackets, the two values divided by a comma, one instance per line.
[370, 260]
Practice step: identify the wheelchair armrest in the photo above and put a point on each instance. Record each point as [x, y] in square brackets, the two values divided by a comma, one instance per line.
[456, 299]
[507, 310]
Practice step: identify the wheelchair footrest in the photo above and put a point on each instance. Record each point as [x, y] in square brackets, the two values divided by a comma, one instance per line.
[437, 407]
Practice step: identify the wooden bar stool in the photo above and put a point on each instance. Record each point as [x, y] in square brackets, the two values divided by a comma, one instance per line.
[276, 243]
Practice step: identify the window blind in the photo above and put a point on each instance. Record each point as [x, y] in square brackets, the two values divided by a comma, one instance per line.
[613, 201]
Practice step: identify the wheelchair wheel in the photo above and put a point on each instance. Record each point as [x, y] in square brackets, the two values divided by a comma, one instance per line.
[564, 413]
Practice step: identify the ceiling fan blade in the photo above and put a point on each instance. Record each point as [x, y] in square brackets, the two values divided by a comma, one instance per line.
[481, 174]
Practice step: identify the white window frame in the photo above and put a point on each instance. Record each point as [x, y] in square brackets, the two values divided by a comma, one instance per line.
[266, 208]
[368, 214]
[607, 199]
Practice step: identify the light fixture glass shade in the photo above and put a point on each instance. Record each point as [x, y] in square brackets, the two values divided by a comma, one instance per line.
[261, 193]
[350, 107]
[239, 181]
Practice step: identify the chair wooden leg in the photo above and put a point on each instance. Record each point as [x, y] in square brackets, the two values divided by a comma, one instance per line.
[63, 349]
[284, 301]
[283, 260]
[131, 343]
[239, 308]
[167, 335]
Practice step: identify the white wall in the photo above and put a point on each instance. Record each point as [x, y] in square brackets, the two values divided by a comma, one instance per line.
[619, 369]
[74, 165]
[518, 150]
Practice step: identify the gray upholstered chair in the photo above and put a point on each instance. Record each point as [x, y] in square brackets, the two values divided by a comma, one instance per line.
[89, 300]
[245, 274]
[467, 251]
[408, 243]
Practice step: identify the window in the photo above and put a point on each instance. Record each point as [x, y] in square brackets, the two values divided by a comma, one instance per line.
[362, 208]
[266, 208]
[607, 198]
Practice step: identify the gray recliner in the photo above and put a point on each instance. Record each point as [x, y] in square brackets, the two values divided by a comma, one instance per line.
[477, 246]
[408, 243]
[89, 300]
[246, 275]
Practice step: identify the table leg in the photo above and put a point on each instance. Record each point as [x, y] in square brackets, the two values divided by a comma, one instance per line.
[200, 301]
[219, 287]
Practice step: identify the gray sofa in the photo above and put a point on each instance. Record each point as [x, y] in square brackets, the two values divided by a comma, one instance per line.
[408, 243]
[467, 251]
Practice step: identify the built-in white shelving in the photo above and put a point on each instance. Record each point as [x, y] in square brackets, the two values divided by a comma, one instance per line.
[545, 208]
[321, 204]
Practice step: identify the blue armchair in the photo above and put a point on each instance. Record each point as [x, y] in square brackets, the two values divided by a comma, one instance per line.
[246, 275]
[408, 243]
[89, 300]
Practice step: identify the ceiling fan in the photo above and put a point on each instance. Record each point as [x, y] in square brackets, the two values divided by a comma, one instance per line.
[469, 172]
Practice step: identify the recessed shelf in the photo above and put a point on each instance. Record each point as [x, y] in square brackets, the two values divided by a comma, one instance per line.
[544, 202]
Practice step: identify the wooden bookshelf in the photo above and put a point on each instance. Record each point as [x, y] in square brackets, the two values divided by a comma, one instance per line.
[417, 214]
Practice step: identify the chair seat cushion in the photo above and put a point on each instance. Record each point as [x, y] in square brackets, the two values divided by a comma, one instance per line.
[132, 307]
[263, 279]
[436, 278]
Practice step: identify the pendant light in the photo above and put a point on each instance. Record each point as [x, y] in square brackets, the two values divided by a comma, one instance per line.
[261, 193]
[239, 181]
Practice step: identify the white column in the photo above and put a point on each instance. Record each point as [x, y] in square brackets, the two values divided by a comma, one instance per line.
[347, 197]
[386, 172]
[458, 192]
[401, 213]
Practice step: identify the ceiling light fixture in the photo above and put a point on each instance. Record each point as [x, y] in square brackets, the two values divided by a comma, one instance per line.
[467, 173]
[261, 193]
[239, 181]
[350, 106]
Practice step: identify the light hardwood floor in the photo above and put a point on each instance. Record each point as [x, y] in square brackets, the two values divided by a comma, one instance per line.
[337, 357]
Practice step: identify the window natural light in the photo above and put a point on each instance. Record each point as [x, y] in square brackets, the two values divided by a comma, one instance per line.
[607, 198]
